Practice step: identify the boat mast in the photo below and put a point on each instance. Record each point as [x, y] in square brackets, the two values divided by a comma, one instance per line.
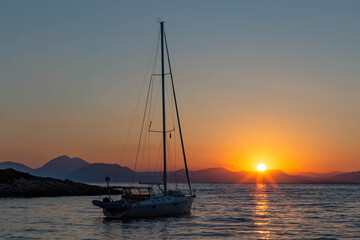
[163, 100]
[177, 114]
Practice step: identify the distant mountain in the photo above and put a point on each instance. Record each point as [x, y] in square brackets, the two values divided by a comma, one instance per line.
[60, 167]
[16, 166]
[77, 169]
[271, 176]
[316, 175]
[96, 172]
[214, 175]
[352, 177]
[208, 175]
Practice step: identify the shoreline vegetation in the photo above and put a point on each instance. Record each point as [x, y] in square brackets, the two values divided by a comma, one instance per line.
[19, 184]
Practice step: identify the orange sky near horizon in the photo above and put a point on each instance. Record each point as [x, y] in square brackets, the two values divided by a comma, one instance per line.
[236, 132]
[234, 147]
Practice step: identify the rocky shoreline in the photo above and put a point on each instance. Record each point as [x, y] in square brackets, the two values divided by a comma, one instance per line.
[18, 184]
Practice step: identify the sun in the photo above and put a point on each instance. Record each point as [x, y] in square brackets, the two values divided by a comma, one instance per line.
[261, 167]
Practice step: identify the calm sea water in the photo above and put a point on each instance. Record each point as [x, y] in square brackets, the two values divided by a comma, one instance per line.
[233, 211]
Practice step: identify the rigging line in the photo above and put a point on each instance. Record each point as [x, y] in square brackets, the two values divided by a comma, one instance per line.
[172, 154]
[151, 96]
[171, 106]
[148, 125]
[171, 161]
[138, 100]
[149, 152]
[151, 93]
[153, 77]
[141, 132]
[156, 100]
[151, 104]
[147, 143]
[143, 153]
[156, 53]
[175, 155]
[177, 113]
[171, 100]
[158, 158]
[144, 146]
[175, 169]
[170, 103]
[149, 115]
[149, 122]
[154, 65]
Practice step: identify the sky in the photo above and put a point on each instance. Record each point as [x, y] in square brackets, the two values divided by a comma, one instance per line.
[275, 82]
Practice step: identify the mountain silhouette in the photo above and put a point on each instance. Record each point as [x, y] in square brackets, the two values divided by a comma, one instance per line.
[272, 176]
[214, 175]
[60, 167]
[16, 166]
[316, 175]
[77, 169]
[352, 177]
[96, 172]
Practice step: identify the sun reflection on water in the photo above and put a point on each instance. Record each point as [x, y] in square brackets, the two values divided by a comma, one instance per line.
[261, 210]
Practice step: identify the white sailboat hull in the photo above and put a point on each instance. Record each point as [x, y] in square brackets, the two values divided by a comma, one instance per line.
[154, 207]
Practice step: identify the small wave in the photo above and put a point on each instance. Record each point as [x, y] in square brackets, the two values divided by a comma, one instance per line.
[243, 219]
[324, 238]
[230, 220]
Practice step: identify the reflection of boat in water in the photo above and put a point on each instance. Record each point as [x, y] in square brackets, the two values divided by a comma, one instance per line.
[144, 201]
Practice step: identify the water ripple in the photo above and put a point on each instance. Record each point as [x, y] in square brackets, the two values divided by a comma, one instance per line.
[224, 211]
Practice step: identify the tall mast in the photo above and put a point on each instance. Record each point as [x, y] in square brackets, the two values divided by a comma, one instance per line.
[163, 100]
[177, 114]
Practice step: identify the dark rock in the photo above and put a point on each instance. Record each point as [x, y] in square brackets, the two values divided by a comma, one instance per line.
[18, 184]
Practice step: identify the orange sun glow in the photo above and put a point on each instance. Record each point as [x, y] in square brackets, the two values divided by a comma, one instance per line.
[261, 167]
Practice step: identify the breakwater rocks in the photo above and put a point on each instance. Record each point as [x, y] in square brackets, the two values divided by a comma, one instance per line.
[18, 184]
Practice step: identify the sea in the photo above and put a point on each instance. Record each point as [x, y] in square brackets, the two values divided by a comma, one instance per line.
[220, 211]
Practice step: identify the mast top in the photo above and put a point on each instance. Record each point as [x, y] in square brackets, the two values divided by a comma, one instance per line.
[159, 20]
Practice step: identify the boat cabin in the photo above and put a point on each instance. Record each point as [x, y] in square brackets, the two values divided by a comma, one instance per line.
[136, 194]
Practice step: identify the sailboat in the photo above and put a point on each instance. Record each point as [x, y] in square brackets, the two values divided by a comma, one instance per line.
[143, 201]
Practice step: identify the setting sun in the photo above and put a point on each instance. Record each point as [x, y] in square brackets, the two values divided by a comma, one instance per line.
[261, 167]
